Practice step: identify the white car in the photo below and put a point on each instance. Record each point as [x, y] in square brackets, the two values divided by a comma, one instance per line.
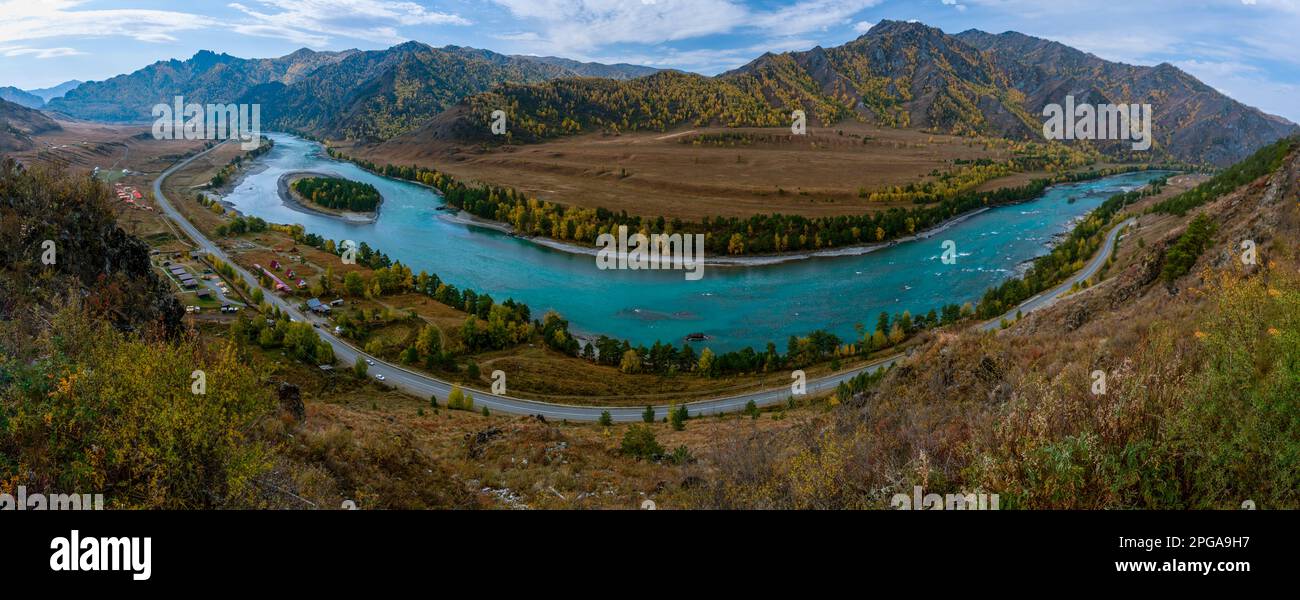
[370, 362]
[379, 376]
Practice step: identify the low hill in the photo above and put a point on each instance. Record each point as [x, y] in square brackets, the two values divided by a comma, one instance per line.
[18, 124]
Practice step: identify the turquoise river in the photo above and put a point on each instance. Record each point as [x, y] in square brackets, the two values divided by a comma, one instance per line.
[734, 306]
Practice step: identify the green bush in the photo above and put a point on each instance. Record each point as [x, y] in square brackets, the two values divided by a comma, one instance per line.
[639, 442]
[1190, 245]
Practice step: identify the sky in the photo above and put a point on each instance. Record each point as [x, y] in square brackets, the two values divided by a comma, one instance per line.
[1244, 48]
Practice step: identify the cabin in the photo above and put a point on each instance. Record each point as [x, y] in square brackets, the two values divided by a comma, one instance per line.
[279, 285]
[317, 307]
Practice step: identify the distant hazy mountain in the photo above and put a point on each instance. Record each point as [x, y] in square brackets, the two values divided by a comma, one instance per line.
[57, 91]
[18, 123]
[591, 69]
[898, 74]
[206, 77]
[20, 97]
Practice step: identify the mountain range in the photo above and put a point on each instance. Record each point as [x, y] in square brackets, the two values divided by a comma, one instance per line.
[36, 98]
[898, 74]
[355, 94]
[1193, 121]
[376, 95]
[206, 77]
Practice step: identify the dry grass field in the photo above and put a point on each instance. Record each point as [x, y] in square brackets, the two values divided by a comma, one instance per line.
[708, 172]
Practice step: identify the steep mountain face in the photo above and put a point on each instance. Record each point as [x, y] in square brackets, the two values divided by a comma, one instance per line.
[206, 77]
[1192, 121]
[899, 75]
[58, 91]
[19, 123]
[379, 94]
[591, 69]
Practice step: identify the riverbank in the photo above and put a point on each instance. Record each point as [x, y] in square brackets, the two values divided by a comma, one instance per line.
[295, 201]
[464, 218]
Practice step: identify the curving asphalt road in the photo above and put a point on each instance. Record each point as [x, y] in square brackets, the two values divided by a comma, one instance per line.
[1049, 297]
[424, 386]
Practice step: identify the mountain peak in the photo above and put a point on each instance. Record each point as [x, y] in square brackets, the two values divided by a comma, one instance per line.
[411, 46]
[887, 27]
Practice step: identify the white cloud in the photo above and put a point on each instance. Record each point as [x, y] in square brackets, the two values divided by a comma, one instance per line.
[809, 15]
[710, 61]
[313, 22]
[583, 27]
[309, 22]
[27, 20]
[10, 51]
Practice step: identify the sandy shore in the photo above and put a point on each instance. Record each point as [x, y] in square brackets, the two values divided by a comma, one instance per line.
[291, 200]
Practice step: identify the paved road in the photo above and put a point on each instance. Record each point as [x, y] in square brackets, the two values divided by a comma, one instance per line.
[423, 386]
[1050, 297]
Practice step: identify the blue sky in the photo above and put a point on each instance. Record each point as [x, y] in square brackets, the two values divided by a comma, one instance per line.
[1246, 48]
